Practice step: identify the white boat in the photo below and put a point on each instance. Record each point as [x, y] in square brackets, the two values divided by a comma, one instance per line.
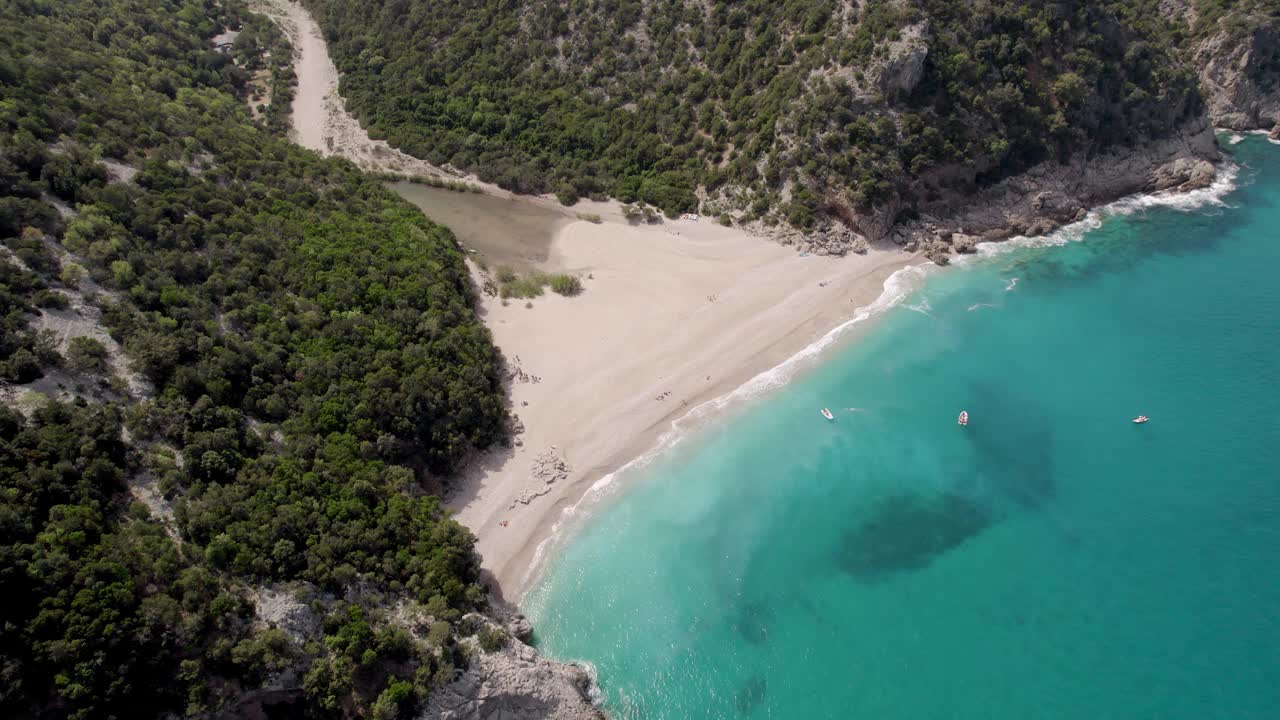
[827, 414]
[964, 417]
[1140, 419]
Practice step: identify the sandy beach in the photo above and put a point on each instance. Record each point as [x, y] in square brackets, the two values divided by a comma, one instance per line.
[665, 323]
[672, 315]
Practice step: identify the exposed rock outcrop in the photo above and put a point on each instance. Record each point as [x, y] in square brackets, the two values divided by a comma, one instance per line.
[514, 683]
[548, 468]
[520, 627]
[1052, 194]
[1240, 74]
[282, 607]
[1182, 174]
[903, 67]
[831, 238]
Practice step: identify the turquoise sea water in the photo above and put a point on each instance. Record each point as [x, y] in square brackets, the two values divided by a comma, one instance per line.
[1051, 560]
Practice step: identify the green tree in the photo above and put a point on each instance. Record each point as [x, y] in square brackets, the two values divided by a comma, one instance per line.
[87, 354]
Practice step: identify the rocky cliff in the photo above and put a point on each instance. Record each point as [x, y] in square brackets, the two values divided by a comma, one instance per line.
[514, 683]
[1240, 74]
[1235, 49]
[1051, 194]
[501, 676]
[951, 208]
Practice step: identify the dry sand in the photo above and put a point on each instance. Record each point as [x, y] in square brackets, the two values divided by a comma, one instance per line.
[686, 318]
[672, 315]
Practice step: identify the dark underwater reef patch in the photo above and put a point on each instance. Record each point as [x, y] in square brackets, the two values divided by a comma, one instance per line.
[906, 532]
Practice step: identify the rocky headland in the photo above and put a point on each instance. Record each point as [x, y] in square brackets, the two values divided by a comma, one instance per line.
[514, 681]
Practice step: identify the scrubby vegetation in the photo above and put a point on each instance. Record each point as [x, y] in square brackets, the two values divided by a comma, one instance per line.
[315, 359]
[567, 285]
[1238, 17]
[104, 615]
[432, 181]
[506, 283]
[786, 110]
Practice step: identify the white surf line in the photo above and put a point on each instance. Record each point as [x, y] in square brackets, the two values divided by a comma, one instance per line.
[897, 287]
[1223, 185]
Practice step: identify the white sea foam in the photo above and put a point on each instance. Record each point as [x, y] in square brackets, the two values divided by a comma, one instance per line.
[1214, 195]
[923, 307]
[1013, 283]
[1264, 133]
[1237, 136]
[897, 287]
[594, 693]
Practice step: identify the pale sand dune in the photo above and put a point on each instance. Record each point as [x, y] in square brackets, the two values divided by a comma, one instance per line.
[644, 326]
[688, 311]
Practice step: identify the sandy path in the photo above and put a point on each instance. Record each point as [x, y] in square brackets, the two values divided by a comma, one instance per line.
[320, 118]
[672, 316]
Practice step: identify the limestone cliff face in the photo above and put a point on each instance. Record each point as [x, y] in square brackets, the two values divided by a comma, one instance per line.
[514, 683]
[1240, 75]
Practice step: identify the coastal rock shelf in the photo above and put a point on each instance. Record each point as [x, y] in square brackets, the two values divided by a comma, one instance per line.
[548, 468]
[1050, 195]
[515, 683]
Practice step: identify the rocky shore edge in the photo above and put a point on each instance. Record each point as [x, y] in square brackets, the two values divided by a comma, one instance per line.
[504, 677]
[1239, 94]
[515, 682]
[1035, 202]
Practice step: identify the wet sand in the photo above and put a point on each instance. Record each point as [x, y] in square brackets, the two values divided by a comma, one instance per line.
[495, 231]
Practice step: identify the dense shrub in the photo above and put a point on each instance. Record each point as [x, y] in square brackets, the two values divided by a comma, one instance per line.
[314, 352]
[565, 285]
[648, 101]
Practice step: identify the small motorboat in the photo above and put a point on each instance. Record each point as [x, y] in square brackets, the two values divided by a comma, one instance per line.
[1140, 419]
[964, 417]
[827, 414]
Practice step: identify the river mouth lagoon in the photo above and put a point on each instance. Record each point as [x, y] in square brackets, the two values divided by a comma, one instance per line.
[493, 230]
[1051, 559]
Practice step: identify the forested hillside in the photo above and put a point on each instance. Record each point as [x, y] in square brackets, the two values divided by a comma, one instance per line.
[794, 111]
[314, 356]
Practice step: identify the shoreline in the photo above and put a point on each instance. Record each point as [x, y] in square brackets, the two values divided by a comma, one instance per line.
[672, 321]
[554, 527]
[717, 408]
[640, 282]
